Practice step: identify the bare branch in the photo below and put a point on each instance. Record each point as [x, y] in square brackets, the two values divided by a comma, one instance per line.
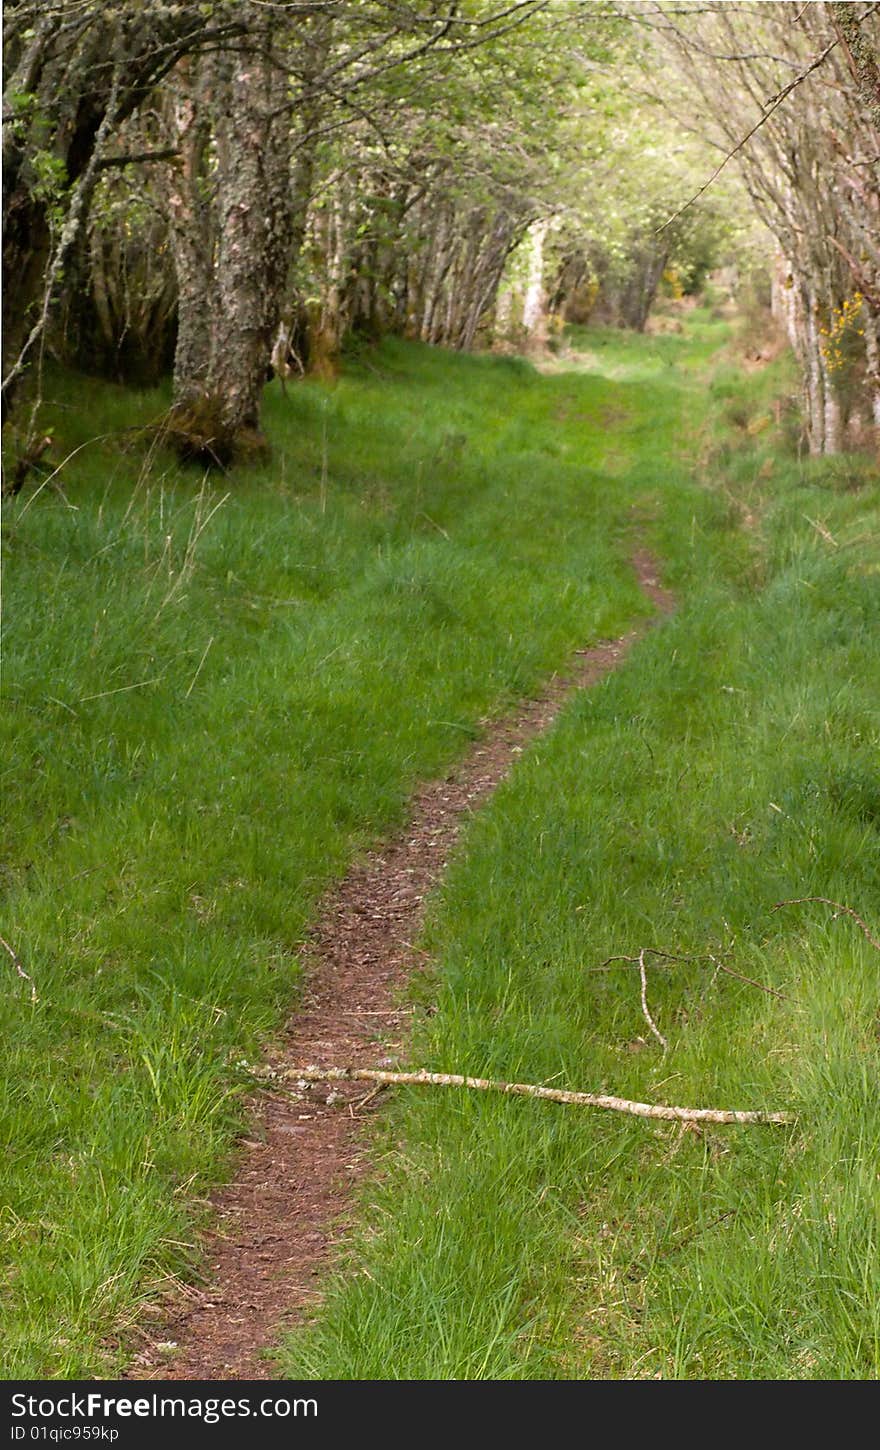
[76, 211]
[645, 1013]
[133, 157]
[838, 907]
[770, 106]
[16, 962]
[703, 957]
[287, 1079]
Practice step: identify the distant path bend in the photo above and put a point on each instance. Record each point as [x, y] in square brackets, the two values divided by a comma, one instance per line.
[281, 1215]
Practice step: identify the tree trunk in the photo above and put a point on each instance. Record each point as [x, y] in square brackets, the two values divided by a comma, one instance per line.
[254, 202]
[75, 75]
[815, 394]
[62, 121]
[191, 227]
[872, 352]
[534, 317]
[231, 250]
[864, 61]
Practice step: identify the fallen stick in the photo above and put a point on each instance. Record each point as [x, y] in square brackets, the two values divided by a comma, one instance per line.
[20, 971]
[838, 907]
[645, 1013]
[703, 957]
[272, 1077]
[761, 986]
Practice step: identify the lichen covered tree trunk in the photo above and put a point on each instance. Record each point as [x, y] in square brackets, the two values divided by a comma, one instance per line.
[254, 210]
[230, 201]
[191, 227]
[74, 74]
[51, 119]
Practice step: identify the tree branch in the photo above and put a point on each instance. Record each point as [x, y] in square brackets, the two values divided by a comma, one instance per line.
[272, 1078]
[838, 907]
[770, 106]
[20, 971]
[132, 157]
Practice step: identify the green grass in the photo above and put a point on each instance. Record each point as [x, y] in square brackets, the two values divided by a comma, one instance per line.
[215, 692]
[733, 761]
[207, 714]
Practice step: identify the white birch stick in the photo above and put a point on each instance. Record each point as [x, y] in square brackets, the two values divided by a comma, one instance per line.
[272, 1077]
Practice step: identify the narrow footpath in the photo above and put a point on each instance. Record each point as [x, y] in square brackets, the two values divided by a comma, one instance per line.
[277, 1222]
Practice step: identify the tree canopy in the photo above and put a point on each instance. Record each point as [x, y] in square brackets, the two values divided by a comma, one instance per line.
[236, 185]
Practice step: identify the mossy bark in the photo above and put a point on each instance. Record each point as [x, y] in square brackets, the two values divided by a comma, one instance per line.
[232, 213]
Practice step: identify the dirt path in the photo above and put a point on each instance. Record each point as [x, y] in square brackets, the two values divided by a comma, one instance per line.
[278, 1220]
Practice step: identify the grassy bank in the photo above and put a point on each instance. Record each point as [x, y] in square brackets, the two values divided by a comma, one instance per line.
[731, 763]
[214, 693]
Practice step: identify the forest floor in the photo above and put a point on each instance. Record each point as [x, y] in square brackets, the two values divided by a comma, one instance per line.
[219, 699]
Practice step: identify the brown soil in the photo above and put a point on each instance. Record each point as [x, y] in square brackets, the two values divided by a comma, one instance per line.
[278, 1220]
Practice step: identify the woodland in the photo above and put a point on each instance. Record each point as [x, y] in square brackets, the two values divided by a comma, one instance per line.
[441, 635]
[235, 187]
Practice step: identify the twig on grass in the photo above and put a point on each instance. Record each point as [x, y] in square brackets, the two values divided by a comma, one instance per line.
[639, 961]
[838, 907]
[16, 962]
[645, 1013]
[367, 1098]
[704, 957]
[278, 1080]
[741, 977]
